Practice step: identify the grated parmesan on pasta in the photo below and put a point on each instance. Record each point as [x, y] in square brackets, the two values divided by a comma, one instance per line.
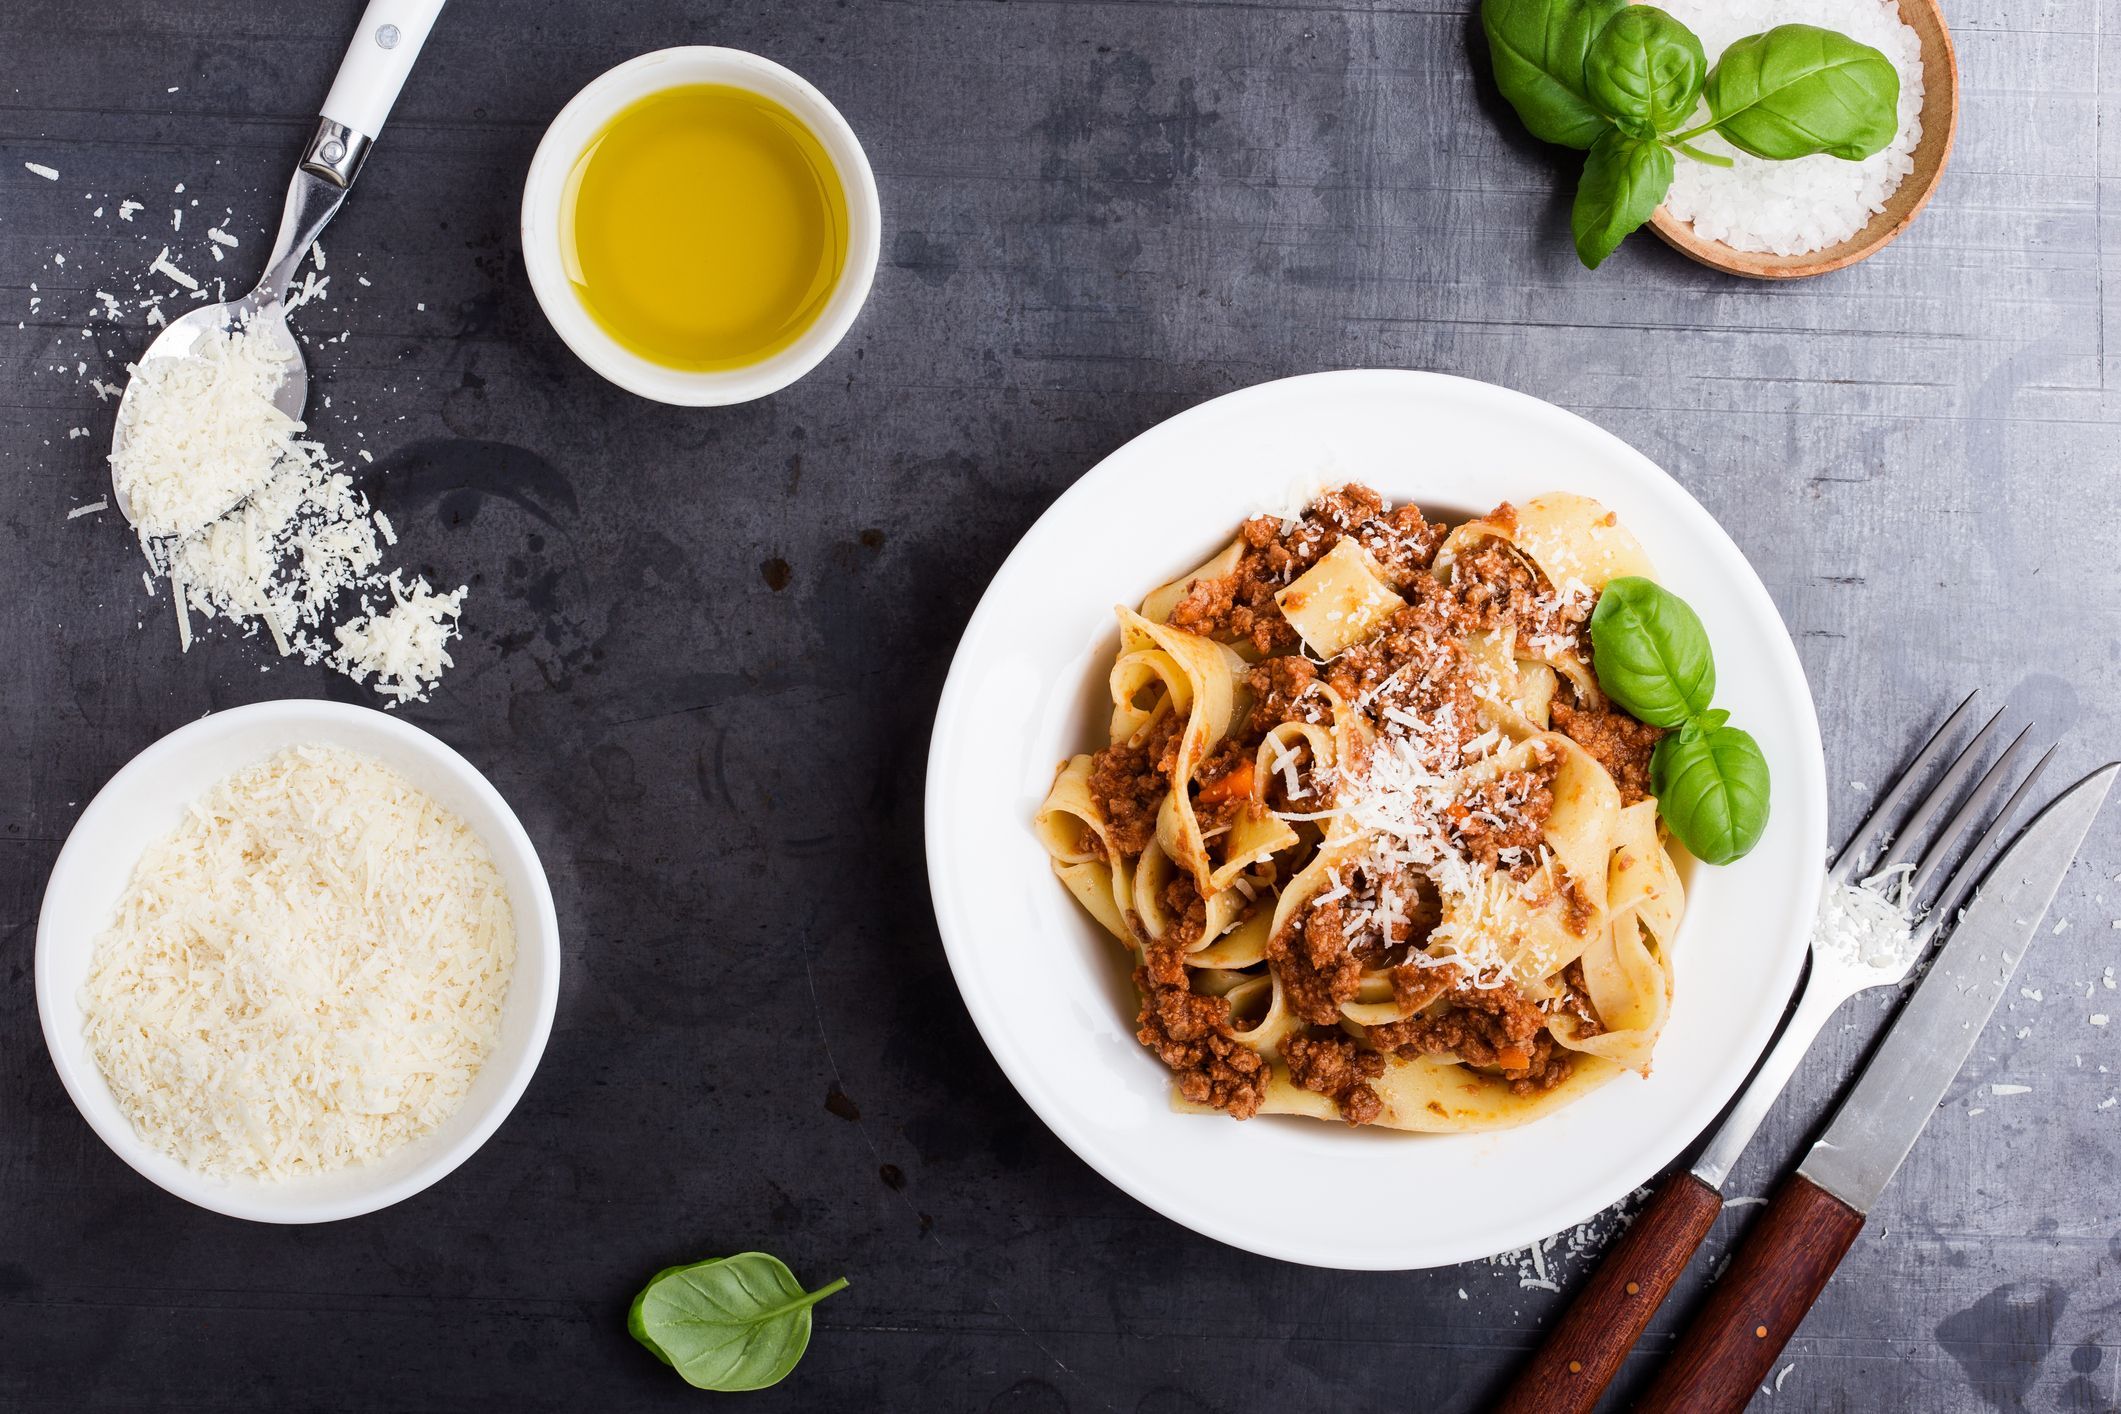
[306, 973]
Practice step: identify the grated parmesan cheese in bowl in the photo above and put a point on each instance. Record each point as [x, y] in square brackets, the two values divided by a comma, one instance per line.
[306, 973]
[297, 961]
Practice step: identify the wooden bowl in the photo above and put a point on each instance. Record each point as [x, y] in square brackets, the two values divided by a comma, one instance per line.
[1940, 125]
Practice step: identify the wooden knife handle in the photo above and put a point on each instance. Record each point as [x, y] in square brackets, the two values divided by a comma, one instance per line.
[1571, 1369]
[1756, 1306]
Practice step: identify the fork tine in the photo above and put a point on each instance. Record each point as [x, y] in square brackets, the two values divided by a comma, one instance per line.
[1948, 784]
[1881, 816]
[1969, 870]
[1993, 780]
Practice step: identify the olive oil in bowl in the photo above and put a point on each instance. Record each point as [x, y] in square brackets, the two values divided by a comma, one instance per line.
[704, 228]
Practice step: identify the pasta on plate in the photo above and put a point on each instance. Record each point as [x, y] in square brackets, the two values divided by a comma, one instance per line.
[1378, 844]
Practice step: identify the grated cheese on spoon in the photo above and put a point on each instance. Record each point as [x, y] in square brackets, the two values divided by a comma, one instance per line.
[201, 433]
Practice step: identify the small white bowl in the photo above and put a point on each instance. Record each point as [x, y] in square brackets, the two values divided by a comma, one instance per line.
[581, 120]
[144, 801]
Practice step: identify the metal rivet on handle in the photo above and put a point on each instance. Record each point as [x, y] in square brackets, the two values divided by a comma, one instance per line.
[334, 150]
[387, 36]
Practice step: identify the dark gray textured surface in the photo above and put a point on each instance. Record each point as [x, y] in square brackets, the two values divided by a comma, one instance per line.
[1097, 214]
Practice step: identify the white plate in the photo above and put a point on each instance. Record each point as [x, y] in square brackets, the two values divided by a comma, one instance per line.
[145, 800]
[1048, 988]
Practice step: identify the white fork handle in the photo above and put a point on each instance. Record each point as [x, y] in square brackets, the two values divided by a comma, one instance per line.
[1822, 998]
[376, 63]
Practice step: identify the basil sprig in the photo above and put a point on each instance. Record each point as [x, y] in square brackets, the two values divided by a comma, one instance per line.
[1589, 73]
[1624, 177]
[732, 1323]
[1645, 71]
[1539, 48]
[1653, 658]
[1799, 90]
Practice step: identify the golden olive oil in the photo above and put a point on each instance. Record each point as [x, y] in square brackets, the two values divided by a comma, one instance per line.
[705, 227]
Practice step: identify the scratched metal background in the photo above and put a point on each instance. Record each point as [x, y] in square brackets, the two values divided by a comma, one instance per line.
[703, 650]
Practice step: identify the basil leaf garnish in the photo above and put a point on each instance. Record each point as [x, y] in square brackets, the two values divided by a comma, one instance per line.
[1651, 652]
[1797, 90]
[732, 1323]
[1711, 785]
[1623, 180]
[1538, 48]
[1645, 70]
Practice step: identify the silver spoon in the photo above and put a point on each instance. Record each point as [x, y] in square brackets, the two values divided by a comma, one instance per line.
[374, 70]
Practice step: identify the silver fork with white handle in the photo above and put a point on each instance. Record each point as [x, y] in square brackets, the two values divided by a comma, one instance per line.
[1579, 1357]
[361, 97]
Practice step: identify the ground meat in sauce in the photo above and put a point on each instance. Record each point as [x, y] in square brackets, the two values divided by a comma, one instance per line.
[1129, 781]
[1616, 740]
[1285, 689]
[1575, 999]
[1414, 667]
[1504, 813]
[1317, 970]
[1487, 1027]
[1332, 1064]
[1239, 607]
[1494, 586]
[1497, 587]
[1190, 1034]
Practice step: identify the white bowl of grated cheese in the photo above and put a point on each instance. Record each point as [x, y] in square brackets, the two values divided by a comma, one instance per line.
[504, 994]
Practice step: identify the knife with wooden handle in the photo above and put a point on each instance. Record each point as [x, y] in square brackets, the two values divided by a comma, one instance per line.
[1791, 1252]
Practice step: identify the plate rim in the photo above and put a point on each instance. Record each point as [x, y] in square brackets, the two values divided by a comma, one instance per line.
[955, 933]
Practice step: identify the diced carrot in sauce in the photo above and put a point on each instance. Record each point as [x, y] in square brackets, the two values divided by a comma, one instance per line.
[1235, 784]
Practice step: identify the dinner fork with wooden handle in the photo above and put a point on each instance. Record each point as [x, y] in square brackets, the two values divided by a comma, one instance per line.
[1583, 1352]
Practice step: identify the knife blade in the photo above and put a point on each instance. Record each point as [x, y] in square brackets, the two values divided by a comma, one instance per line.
[1884, 1113]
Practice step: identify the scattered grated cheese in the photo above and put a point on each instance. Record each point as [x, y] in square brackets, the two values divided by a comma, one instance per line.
[1868, 924]
[2010, 1089]
[127, 208]
[406, 646]
[161, 265]
[88, 510]
[306, 973]
[50, 174]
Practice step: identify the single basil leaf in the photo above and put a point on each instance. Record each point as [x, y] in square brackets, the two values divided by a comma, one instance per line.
[1797, 90]
[635, 1326]
[1645, 70]
[733, 1323]
[1712, 790]
[1651, 652]
[1538, 47]
[1623, 180]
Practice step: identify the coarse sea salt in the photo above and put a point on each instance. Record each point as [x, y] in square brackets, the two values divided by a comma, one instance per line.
[1790, 208]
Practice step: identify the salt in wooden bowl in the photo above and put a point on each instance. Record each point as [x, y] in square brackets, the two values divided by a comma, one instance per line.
[1940, 125]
